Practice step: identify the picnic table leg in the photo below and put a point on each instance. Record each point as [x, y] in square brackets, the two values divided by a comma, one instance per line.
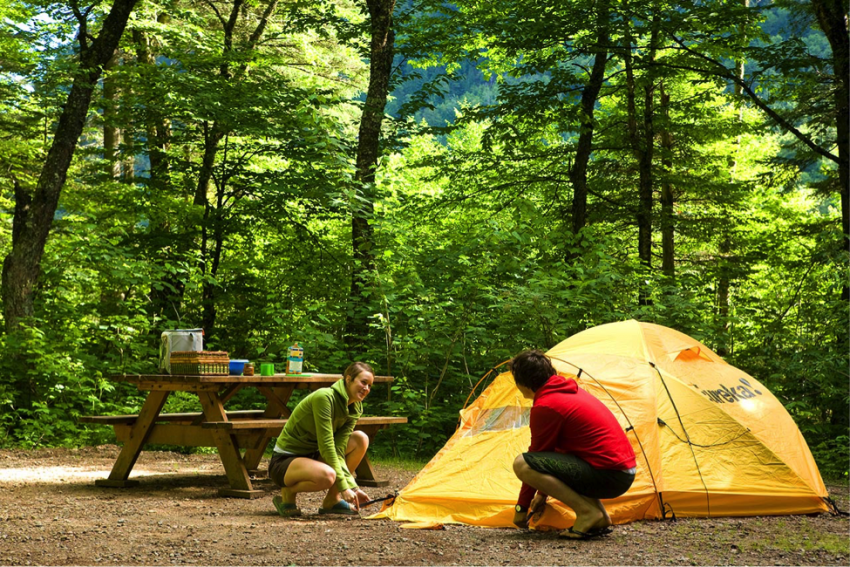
[366, 475]
[277, 398]
[139, 433]
[234, 466]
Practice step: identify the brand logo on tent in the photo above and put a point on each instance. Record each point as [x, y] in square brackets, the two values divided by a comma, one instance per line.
[732, 394]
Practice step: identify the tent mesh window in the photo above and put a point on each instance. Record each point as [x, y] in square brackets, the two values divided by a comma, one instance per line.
[500, 419]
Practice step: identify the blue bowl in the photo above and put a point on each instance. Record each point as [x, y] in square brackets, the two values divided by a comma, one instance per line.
[237, 366]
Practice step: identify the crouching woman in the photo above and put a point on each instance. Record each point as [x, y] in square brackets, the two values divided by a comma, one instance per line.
[318, 447]
[579, 453]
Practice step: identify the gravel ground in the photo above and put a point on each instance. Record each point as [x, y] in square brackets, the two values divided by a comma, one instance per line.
[52, 514]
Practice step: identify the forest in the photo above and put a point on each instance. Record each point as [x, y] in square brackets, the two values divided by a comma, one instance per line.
[427, 186]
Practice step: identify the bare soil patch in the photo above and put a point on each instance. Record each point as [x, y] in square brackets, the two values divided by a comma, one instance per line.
[51, 513]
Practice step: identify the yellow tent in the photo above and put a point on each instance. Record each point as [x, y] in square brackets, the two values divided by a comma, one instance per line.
[709, 439]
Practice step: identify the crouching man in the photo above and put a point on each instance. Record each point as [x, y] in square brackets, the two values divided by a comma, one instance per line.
[578, 453]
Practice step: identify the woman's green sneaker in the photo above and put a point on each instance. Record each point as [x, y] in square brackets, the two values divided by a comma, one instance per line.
[341, 508]
[285, 509]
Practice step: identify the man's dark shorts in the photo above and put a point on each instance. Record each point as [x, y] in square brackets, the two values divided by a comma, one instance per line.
[580, 476]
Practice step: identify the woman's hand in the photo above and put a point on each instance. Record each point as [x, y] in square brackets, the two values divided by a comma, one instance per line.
[362, 497]
[351, 497]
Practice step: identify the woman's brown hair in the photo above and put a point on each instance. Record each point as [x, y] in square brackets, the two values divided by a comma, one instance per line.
[355, 369]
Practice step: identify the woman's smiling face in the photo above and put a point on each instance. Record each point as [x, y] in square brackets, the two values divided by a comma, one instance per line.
[359, 386]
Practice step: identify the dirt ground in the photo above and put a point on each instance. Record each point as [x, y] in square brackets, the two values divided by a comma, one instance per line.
[51, 513]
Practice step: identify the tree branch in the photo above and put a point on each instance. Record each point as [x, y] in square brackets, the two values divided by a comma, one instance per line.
[217, 13]
[261, 26]
[725, 73]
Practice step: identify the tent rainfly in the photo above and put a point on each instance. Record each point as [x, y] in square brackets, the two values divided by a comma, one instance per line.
[709, 439]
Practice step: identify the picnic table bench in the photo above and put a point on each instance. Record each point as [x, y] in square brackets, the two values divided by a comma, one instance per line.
[240, 436]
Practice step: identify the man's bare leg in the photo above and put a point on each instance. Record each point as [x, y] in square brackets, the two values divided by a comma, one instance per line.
[590, 513]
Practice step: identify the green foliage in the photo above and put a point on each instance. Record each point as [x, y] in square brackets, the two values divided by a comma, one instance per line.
[831, 456]
[475, 258]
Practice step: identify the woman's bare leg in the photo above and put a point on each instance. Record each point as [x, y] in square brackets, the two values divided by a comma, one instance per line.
[354, 453]
[306, 475]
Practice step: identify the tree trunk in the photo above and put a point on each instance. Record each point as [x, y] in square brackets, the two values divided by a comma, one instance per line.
[667, 217]
[209, 309]
[642, 143]
[157, 127]
[645, 154]
[368, 151]
[111, 133]
[589, 96]
[166, 297]
[32, 220]
[723, 285]
[128, 140]
[213, 135]
[212, 138]
[832, 18]
[724, 282]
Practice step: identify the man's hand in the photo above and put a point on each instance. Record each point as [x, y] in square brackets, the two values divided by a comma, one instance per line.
[521, 519]
[537, 507]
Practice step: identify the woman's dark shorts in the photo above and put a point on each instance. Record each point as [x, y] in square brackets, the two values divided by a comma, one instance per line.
[580, 476]
[280, 463]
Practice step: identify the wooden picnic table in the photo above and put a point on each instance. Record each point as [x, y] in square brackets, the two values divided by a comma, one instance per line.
[241, 437]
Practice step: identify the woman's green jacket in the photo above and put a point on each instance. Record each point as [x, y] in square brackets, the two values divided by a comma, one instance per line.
[323, 422]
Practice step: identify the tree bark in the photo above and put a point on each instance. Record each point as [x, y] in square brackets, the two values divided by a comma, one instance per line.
[368, 151]
[32, 220]
[589, 96]
[667, 217]
[111, 133]
[724, 280]
[157, 127]
[210, 294]
[128, 141]
[166, 297]
[213, 135]
[642, 144]
[832, 19]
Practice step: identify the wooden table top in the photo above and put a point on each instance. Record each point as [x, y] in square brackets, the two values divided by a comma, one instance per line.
[306, 378]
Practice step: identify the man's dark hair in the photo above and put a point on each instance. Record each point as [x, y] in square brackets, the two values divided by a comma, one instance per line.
[532, 369]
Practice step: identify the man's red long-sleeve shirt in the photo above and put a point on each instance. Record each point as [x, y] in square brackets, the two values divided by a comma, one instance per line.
[566, 419]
